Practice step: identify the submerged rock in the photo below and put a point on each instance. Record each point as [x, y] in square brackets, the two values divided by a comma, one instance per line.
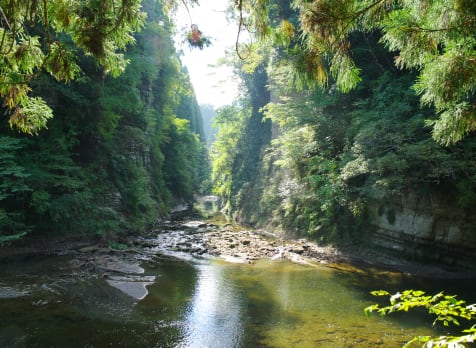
[120, 266]
[9, 292]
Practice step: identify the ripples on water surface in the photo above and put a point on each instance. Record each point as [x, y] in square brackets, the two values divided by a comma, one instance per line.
[44, 303]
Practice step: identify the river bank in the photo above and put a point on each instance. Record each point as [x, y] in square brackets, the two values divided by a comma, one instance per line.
[188, 237]
[235, 243]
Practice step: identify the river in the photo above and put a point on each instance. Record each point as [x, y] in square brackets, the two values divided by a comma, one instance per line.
[47, 301]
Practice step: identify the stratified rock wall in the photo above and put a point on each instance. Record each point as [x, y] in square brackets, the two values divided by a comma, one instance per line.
[423, 228]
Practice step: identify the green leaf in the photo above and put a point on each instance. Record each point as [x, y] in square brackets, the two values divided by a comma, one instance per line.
[380, 293]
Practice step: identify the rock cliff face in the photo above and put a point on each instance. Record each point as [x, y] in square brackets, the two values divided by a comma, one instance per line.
[423, 228]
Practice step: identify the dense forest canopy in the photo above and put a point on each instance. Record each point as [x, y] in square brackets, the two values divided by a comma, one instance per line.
[50, 36]
[355, 125]
[342, 103]
[348, 98]
[127, 140]
[53, 36]
[434, 38]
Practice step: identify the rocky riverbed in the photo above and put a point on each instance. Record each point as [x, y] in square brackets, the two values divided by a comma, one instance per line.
[138, 291]
[234, 244]
[197, 239]
[193, 240]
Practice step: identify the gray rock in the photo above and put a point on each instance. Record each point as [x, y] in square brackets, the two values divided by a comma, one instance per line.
[135, 287]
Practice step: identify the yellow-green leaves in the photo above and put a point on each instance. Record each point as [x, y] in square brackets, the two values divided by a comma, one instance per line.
[435, 37]
[61, 63]
[438, 38]
[447, 309]
[31, 115]
[48, 35]
[284, 33]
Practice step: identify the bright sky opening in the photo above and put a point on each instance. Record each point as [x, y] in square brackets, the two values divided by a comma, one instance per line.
[213, 85]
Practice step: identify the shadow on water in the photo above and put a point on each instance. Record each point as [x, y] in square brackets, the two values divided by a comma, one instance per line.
[46, 303]
[202, 303]
[289, 305]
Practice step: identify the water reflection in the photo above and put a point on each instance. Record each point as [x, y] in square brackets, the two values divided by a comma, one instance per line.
[280, 304]
[205, 303]
[287, 305]
[214, 317]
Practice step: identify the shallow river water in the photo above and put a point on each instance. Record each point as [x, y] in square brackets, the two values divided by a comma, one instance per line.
[44, 302]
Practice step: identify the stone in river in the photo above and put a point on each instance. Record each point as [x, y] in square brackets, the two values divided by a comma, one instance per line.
[9, 292]
[135, 287]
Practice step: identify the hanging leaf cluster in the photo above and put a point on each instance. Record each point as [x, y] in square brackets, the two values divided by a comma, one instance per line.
[196, 39]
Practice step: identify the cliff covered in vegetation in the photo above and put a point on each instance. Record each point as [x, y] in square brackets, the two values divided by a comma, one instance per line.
[119, 152]
[350, 166]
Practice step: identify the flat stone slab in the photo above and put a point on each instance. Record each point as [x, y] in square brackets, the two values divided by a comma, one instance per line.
[135, 287]
[120, 266]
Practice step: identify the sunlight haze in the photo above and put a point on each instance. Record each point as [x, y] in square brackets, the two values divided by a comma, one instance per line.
[213, 85]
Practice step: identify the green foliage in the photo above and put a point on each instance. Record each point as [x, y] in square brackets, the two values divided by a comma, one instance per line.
[13, 186]
[68, 211]
[117, 246]
[130, 176]
[40, 202]
[436, 38]
[96, 28]
[333, 154]
[229, 121]
[208, 114]
[11, 237]
[237, 151]
[31, 116]
[12, 174]
[122, 151]
[196, 39]
[314, 198]
[446, 308]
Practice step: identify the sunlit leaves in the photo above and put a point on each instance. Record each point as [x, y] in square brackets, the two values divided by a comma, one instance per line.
[117, 153]
[310, 189]
[49, 35]
[435, 37]
[26, 55]
[345, 72]
[355, 168]
[324, 26]
[438, 39]
[31, 116]
[284, 34]
[447, 82]
[61, 63]
[230, 122]
[61, 13]
[447, 309]
[454, 124]
[403, 34]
